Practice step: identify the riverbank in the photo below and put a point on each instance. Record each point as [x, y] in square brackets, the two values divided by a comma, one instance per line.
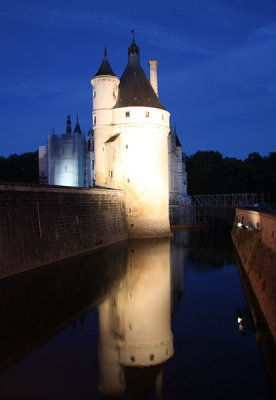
[254, 237]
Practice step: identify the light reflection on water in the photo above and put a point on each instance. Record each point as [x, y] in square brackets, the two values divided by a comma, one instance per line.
[143, 319]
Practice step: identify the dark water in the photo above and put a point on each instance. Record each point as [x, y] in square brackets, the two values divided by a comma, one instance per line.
[143, 319]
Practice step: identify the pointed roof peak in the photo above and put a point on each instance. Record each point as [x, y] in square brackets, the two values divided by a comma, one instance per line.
[135, 89]
[133, 51]
[105, 68]
[77, 128]
[133, 38]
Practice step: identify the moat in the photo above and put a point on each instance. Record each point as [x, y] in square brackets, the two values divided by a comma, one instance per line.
[140, 319]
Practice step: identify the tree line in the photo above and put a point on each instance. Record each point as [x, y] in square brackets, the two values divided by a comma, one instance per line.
[21, 168]
[211, 173]
[208, 172]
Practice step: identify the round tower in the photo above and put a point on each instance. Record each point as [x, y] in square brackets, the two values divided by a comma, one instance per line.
[104, 94]
[144, 125]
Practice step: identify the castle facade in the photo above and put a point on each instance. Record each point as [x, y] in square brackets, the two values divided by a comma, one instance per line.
[131, 147]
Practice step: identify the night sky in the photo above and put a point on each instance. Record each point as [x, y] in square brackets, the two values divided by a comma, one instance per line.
[216, 71]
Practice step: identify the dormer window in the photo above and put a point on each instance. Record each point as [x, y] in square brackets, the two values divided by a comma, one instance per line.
[94, 119]
[127, 114]
[94, 94]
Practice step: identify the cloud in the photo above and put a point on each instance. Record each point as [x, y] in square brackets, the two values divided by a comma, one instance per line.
[149, 32]
[244, 73]
[213, 13]
[267, 30]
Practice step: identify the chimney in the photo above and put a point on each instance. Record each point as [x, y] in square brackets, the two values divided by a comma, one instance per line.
[153, 75]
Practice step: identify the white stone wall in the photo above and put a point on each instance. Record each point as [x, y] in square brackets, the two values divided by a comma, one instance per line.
[144, 168]
[104, 94]
[66, 160]
[177, 173]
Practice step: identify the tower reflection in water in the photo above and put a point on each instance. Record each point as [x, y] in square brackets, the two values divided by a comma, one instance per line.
[135, 337]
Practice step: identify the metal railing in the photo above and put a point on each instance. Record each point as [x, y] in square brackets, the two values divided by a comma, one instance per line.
[188, 215]
[231, 200]
[200, 211]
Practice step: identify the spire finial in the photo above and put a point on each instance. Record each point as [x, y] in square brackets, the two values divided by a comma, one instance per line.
[77, 118]
[68, 124]
[133, 40]
[105, 52]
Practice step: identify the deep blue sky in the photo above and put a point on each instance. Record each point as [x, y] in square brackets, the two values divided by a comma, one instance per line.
[216, 72]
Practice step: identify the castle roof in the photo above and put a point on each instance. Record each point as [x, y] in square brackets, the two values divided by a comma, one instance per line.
[177, 141]
[134, 88]
[105, 68]
[77, 126]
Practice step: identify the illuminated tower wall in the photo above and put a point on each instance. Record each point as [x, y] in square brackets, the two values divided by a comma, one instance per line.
[131, 149]
[105, 91]
[66, 158]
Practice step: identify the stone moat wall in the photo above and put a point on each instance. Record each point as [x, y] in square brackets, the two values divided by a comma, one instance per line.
[256, 247]
[43, 224]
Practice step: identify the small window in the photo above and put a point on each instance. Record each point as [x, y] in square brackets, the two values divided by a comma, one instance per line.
[95, 120]
[65, 168]
[128, 180]
[103, 148]
[127, 114]
[94, 94]
[147, 114]
[126, 146]
[111, 174]
[163, 117]
[129, 210]
[114, 94]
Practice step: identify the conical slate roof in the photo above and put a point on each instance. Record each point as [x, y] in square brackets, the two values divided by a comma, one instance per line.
[77, 126]
[134, 88]
[105, 68]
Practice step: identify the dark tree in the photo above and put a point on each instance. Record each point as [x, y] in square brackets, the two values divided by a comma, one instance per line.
[210, 173]
[19, 168]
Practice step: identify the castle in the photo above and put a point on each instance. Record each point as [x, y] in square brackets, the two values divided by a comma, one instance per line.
[133, 146]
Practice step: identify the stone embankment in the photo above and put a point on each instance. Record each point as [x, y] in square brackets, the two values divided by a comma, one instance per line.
[254, 236]
[43, 224]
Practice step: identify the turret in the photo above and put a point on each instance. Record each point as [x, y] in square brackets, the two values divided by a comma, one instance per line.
[131, 147]
[143, 125]
[105, 87]
[105, 91]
